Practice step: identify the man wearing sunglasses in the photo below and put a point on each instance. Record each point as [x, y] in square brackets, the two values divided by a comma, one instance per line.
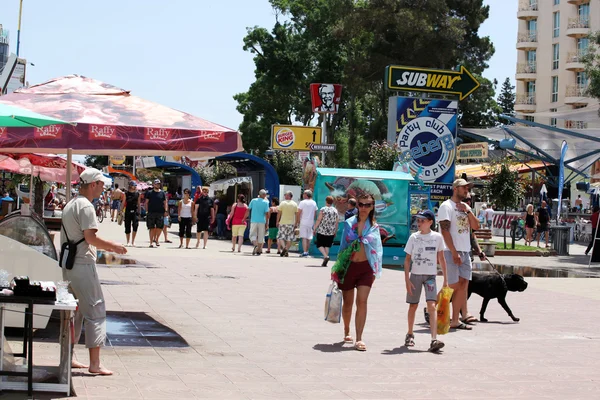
[79, 223]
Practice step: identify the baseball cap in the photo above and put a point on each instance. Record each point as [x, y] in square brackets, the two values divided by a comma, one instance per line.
[91, 175]
[461, 182]
[156, 181]
[132, 183]
[426, 214]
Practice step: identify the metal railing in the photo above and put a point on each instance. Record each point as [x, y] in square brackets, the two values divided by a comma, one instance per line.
[526, 5]
[569, 124]
[579, 22]
[577, 91]
[576, 56]
[527, 99]
[527, 36]
[526, 68]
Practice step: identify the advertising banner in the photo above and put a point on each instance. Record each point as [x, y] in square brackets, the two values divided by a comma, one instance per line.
[390, 203]
[325, 97]
[425, 132]
[561, 175]
[294, 137]
[472, 151]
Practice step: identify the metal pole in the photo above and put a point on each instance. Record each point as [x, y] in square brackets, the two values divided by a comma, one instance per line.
[19, 27]
[324, 138]
[134, 160]
[69, 174]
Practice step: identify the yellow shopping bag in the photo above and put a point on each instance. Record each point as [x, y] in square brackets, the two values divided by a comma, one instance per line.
[443, 310]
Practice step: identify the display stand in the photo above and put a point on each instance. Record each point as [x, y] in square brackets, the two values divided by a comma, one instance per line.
[64, 385]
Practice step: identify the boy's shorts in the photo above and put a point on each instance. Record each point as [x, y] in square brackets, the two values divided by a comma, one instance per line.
[422, 281]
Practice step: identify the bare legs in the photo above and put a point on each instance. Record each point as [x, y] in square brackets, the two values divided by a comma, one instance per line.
[324, 251]
[95, 366]
[204, 235]
[362, 295]
[459, 300]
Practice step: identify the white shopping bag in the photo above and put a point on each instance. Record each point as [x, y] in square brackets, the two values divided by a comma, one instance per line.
[333, 304]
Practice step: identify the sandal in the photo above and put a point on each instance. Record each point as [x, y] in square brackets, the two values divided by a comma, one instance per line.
[168, 241]
[409, 340]
[348, 339]
[436, 346]
[360, 346]
[462, 326]
[469, 320]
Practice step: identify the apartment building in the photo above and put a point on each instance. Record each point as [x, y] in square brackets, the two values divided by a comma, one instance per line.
[550, 75]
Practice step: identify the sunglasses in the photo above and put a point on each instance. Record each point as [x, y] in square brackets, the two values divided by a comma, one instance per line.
[365, 205]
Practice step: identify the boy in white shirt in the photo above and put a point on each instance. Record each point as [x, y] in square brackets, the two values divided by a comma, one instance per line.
[425, 249]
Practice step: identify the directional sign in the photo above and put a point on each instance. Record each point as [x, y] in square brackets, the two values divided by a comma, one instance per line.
[460, 83]
[323, 147]
[293, 137]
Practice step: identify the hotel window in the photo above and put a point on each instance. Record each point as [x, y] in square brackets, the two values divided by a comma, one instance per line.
[582, 46]
[556, 24]
[554, 97]
[555, 55]
[556, 2]
[529, 118]
[532, 30]
[582, 79]
[583, 12]
[531, 88]
[553, 120]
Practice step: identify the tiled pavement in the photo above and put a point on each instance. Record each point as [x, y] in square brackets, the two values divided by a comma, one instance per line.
[255, 330]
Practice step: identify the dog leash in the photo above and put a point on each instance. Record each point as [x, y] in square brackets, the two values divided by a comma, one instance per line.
[498, 272]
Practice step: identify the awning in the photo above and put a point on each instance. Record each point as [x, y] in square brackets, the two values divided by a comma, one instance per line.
[224, 184]
[478, 171]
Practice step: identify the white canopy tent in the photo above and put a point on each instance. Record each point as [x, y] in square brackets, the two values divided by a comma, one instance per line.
[223, 184]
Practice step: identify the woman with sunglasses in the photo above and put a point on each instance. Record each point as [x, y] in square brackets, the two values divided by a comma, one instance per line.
[361, 233]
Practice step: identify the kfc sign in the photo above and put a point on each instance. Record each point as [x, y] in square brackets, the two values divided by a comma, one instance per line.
[325, 97]
[49, 132]
[157, 134]
[103, 132]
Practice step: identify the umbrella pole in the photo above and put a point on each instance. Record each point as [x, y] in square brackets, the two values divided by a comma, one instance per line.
[69, 173]
[31, 189]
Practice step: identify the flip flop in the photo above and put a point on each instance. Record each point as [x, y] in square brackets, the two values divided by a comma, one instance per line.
[462, 326]
[348, 339]
[168, 241]
[469, 320]
[360, 346]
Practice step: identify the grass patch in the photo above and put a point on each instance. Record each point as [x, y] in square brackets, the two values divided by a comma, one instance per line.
[518, 247]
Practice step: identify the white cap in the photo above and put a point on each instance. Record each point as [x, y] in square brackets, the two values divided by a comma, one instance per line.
[91, 175]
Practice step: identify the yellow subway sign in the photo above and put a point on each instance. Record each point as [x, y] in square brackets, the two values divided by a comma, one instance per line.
[294, 137]
[460, 83]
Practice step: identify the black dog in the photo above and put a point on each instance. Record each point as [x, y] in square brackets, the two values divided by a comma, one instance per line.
[496, 286]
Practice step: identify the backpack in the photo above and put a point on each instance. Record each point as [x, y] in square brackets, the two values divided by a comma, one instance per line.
[68, 250]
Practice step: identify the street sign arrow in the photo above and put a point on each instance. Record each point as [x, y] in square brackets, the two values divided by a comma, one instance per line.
[460, 83]
[322, 147]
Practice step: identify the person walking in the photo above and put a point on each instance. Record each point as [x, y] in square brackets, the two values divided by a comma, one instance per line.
[529, 224]
[204, 214]
[325, 228]
[184, 215]
[222, 206]
[237, 220]
[424, 250]
[307, 210]
[361, 233]
[456, 221]
[258, 210]
[352, 210]
[287, 221]
[79, 223]
[542, 220]
[272, 217]
[117, 199]
[132, 212]
[157, 209]
[595, 215]
[489, 215]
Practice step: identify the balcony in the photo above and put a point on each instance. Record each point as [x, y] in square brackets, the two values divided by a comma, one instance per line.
[576, 95]
[578, 27]
[525, 102]
[578, 2]
[527, 10]
[575, 61]
[569, 124]
[526, 71]
[527, 40]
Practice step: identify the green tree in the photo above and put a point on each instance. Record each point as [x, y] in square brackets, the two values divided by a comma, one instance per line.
[504, 187]
[351, 42]
[506, 100]
[216, 171]
[591, 60]
[97, 162]
[382, 156]
[480, 110]
[288, 167]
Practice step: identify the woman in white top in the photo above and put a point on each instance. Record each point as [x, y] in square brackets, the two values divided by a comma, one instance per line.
[185, 219]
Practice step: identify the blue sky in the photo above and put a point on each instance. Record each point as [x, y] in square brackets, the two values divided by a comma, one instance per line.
[186, 54]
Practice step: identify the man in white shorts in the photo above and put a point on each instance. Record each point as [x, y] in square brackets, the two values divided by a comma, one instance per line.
[456, 221]
[306, 215]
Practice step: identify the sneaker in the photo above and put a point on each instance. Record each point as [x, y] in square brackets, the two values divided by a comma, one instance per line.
[304, 255]
[436, 346]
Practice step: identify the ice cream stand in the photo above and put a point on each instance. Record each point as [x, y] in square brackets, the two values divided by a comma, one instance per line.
[391, 190]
